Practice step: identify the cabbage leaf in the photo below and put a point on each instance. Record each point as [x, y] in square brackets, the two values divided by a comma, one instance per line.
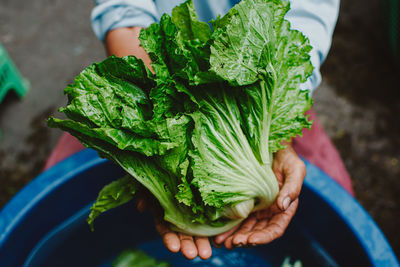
[199, 133]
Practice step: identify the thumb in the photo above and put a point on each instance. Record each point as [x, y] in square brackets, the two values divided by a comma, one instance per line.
[293, 175]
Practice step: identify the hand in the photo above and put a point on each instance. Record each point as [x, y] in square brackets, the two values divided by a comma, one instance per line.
[189, 246]
[125, 41]
[267, 225]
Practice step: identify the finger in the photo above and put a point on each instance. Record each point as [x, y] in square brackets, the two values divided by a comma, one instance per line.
[141, 204]
[260, 225]
[219, 239]
[228, 242]
[274, 209]
[275, 228]
[203, 247]
[268, 213]
[143, 198]
[257, 227]
[212, 240]
[169, 237]
[294, 176]
[240, 237]
[171, 241]
[188, 248]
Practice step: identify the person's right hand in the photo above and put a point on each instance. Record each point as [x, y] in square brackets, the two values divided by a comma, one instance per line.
[190, 246]
[267, 225]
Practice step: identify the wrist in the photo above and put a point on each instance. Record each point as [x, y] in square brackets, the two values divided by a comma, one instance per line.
[124, 42]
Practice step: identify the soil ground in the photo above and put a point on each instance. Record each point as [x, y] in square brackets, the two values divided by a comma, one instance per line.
[358, 102]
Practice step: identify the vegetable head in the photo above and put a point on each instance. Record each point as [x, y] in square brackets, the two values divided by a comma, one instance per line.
[201, 131]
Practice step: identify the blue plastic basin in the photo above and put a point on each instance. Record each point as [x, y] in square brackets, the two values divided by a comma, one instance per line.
[44, 225]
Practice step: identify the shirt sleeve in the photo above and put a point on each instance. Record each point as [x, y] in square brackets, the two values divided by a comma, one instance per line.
[317, 20]
[111, 14]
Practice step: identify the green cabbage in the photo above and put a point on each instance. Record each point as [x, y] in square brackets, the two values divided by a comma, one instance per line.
[201, 131]
[135, 258]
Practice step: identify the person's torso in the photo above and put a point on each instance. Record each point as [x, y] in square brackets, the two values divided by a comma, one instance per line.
[206, 9]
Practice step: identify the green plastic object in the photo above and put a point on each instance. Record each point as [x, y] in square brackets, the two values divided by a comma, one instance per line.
[391, 19]
[10, 78]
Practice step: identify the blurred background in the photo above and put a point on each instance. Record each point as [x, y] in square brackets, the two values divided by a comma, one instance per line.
[51, 41]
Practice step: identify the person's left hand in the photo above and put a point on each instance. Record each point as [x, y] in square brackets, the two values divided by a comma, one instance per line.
[189, 246]
[267, 225]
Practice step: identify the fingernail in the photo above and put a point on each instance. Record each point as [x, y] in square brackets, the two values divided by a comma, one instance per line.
[215, 244]
[286, 203]
[175, 248]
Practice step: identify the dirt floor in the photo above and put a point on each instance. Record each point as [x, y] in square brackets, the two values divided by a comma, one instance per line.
[359, 106]
[358, 102]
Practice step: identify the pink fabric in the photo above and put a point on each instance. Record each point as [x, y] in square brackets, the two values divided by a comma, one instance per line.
[65, 147]
[315, 146]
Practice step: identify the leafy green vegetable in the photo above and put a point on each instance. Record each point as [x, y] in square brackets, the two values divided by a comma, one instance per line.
[137, 258]
[201, 131]
[113, 195]
[287, 263]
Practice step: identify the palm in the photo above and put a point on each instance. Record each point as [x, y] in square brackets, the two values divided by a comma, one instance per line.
[261, 227]
[267, 225]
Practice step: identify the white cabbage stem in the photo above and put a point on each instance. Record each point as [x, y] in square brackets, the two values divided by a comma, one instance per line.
[240, 210]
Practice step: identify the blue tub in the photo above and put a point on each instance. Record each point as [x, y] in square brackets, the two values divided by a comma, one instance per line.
[44, 225]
